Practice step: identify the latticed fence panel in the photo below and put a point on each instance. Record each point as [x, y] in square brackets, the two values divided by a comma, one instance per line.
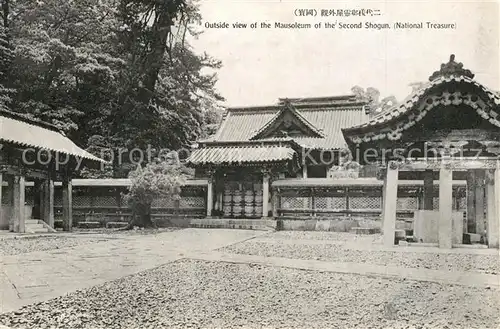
[163, 203]
[365, 202]
[435, 203]
[192, 202]
[407, 203]
[295, 202]
[105, 201]
[330, 203]
[81, 201]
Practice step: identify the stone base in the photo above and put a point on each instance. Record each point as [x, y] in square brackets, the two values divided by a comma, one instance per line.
[471, 238]
[426, 226]
[365, 230]
[244, 224]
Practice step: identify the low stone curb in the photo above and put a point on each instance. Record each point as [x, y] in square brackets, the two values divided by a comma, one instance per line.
[469, 279]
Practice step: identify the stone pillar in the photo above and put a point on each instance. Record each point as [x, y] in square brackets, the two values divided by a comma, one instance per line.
[428, 203]
[384, 188]
[48, 202]
[67, 190]
[19, 200]
[390, 196]
[265, 194]
[210, 194]
[479, 195]
[445, 207]
[471, 201]
[492, 228]
[497, 198]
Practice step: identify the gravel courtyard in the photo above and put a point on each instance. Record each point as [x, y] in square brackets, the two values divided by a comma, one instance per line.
[281, 244]
[195, 294]
[15, 245]
[189, 293]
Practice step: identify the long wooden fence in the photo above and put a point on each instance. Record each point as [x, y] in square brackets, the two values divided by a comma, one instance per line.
[295, 198]
[101, 200]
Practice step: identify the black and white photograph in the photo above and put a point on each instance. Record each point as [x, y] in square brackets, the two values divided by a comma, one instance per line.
[254, 164]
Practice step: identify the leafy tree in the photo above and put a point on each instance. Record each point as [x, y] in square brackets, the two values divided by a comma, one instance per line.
[114, 74]
[372, 96]
[155, 180]
[6, 57]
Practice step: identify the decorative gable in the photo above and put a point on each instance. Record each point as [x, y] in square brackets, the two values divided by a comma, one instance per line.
[288, 122]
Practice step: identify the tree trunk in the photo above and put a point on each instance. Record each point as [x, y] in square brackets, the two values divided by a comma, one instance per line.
[141, 217]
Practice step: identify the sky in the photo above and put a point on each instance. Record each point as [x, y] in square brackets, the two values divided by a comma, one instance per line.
[262, 65]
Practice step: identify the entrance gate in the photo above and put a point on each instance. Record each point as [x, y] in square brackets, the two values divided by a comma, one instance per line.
[242, 199]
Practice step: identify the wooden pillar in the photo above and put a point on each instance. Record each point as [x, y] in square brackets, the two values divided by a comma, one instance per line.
[479, 195]
[471, 201]
[2, 215]
[67, 190]
[48, 202]
[445, 207]
[274, 202]
[265, 194]
[428, 202]
[19, 200]
[390, 196]
[210, 194]
[10, 196]
[37, 200]
[304, 171]
[491, 213]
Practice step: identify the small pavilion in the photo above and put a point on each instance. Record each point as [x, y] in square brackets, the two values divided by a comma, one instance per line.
[36, 151]
[254, 146]
[448, 129]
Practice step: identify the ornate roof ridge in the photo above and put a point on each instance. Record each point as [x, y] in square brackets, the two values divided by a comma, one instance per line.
[451, 68]
[288, 106]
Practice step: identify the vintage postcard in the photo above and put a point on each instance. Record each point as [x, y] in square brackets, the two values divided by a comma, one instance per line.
[249, 164]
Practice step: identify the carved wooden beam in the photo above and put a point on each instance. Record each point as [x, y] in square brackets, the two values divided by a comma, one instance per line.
[450, 163]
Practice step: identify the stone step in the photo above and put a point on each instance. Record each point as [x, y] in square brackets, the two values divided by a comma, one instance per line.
[40, 230]
[365, 230]
[31, 221]
[34, 226]
[116, 224]
[89, 224]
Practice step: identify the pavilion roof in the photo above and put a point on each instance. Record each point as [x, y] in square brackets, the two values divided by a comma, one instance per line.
[241, 154]
[325, 116]
[23, 131]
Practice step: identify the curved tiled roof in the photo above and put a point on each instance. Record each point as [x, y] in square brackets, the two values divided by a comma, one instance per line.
[413, 99]
[240, 154]
[25, 132]
[241, 124]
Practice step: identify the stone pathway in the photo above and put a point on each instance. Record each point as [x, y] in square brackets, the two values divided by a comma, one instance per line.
[37, 276]
[461, 278]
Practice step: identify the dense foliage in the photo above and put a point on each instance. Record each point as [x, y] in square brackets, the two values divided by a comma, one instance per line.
[372, 95]
[113, 74]
[154, 181]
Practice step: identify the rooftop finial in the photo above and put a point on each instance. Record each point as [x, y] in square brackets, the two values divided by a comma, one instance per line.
[451, 68]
